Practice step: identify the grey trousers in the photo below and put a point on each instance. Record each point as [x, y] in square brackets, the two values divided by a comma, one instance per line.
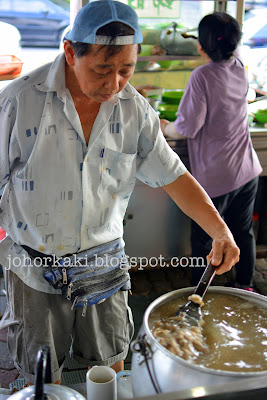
[36, 318]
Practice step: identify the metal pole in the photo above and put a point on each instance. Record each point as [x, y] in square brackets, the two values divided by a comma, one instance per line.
[75, 6]
[240, 12]
[220, 5]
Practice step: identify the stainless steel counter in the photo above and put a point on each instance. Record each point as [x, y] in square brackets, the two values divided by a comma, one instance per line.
[259, 139]
[248, 389]
[154, 225]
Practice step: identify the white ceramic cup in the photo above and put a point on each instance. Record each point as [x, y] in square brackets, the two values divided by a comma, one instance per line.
[101, 383]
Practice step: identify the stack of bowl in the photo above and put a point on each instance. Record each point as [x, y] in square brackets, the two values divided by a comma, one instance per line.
[169, 106]
[261, 116]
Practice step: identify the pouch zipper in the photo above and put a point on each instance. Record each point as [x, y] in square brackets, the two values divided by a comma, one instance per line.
[117, 281]
[78, 284]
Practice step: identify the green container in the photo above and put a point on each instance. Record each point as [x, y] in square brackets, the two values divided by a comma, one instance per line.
[261, 116]
[168, 111]
[172, 97]
[146, 50]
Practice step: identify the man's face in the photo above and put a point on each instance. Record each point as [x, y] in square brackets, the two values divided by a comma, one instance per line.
[100, 79]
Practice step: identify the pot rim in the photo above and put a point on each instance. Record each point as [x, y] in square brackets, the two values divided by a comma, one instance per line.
[166, 297]
[51, 390]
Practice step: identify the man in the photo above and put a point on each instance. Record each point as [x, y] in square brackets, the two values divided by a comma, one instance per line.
[74, 135]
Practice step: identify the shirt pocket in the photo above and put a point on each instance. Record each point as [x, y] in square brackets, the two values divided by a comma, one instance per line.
[118, 172]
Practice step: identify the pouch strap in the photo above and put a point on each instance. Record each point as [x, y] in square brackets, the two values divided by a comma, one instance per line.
[114, 245]
[37, 254]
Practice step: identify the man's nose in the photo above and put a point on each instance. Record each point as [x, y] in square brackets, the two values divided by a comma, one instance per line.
[113, 83]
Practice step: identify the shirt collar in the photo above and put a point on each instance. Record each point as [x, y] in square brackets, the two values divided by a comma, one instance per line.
[55, 79]
[127, 93]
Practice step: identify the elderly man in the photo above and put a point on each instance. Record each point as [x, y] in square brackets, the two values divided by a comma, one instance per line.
[74, 137]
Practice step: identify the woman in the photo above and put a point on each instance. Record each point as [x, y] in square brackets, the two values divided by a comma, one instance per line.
[213, 117]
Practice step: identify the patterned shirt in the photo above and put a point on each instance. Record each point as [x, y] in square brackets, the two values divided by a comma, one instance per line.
[62, 196]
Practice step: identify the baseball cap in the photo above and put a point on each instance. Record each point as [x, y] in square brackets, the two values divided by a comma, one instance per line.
[99, 13]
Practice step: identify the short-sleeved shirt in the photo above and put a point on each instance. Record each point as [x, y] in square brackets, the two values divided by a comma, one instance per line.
[213, 117]
[62, 196]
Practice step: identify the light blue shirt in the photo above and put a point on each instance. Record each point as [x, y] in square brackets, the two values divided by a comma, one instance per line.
[62, 196]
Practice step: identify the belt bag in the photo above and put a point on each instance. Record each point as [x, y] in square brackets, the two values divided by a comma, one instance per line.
[89, 277]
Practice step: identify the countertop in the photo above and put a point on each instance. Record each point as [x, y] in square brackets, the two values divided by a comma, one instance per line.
[258, 130]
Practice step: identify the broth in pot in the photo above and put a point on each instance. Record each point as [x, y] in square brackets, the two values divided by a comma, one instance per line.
[233, 335]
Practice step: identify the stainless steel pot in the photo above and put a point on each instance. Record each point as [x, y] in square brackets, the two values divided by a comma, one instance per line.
[177, 41]
[42, 391]
[52, 392]
[156, 370]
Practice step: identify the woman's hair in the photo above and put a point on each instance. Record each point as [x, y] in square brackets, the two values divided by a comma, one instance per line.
[112, 30]
[219, 35]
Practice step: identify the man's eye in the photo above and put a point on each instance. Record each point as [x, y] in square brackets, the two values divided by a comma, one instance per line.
[126, 72]
[100, 74]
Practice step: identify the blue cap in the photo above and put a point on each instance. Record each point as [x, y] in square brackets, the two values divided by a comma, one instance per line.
[96, 14]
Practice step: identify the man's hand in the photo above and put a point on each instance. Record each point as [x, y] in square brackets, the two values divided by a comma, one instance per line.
[224, 253]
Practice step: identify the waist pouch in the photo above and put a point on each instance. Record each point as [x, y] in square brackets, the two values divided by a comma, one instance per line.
[89, 277]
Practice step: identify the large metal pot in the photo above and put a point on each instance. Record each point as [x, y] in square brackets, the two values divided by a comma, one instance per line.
[156, 370]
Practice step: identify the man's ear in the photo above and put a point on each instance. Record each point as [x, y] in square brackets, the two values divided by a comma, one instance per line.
[69, 52]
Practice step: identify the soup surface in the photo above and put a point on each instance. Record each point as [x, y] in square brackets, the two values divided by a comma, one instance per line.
[232, 338]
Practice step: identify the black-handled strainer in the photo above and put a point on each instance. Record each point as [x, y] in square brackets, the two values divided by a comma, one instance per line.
[191, 311]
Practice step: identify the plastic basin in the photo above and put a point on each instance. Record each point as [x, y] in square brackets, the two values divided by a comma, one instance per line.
[261, 116]
[168, 111]
[10, 65]
[172, 97]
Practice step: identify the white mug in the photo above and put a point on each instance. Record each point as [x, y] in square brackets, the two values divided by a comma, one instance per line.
[101, 383]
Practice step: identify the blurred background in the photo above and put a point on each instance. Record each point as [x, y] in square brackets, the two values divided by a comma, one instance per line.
[42, 23]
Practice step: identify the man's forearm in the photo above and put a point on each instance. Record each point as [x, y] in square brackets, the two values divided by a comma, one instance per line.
[192, 199]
